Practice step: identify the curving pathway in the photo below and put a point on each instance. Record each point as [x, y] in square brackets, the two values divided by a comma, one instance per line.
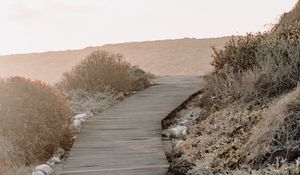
[126, 139]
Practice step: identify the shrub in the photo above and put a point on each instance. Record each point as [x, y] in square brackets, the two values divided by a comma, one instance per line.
[289, 18]
[238, 54]
[35, 118]
[277, 135]
[256, 68]
[251, 72]
[9, 154]
[99, 71]
[11, 160]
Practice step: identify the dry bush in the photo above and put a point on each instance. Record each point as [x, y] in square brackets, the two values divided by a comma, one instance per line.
[99, 71]
[250, 73]
[9, 153]
[255, 68]
[277, 135]
[238, 54]
[35, 117]
[289, 18]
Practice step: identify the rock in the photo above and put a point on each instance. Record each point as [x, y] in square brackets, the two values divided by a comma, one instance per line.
[77, 123]
[50, 163]
[186, 122]
[139, 77]
[53, 161]
[60, 152]
[175, 132]
[81, 117]
[38, 173]
[178, 131]
[44, 168]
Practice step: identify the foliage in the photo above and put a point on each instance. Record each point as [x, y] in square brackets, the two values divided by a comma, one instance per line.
[35, 117]
[99, 71]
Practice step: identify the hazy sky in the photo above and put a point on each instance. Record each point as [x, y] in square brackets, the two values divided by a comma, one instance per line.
[41, 25]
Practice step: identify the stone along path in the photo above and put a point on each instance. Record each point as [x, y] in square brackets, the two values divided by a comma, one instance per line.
[126, 139]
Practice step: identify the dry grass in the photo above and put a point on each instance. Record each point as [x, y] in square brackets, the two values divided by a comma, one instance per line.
[258, 67]
[95, 102]
[98, 72]
[289, 18]
[277, 135]
[238, 136]
[35, 118]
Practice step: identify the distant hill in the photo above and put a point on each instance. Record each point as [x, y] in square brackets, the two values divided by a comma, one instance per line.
[167, 57]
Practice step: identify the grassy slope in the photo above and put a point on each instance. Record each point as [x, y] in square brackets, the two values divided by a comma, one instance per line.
[168, 57]
[252, 127]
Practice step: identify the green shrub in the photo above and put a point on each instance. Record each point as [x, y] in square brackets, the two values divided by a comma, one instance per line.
[35, 118]
[99, 71]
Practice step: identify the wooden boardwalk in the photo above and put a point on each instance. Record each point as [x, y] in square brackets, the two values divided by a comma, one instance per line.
[126, 139]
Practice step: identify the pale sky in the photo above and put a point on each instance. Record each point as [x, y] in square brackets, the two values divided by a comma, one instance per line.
[43, 25]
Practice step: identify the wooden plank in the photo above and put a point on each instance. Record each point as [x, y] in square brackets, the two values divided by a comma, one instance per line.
[126, 139]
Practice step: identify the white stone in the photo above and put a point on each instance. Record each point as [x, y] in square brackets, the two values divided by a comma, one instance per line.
[50, 163]
[81, 117]
[77, 123]
[59, 153]
[55, 160]
[178, 131]
[44, 168]
[37, 173]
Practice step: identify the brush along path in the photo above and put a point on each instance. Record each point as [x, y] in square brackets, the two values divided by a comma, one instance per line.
[126, 139]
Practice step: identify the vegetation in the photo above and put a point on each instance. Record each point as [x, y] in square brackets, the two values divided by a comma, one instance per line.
[35, 119]
[277, 135]
[99, 71]
[251, 119]
[257, 69]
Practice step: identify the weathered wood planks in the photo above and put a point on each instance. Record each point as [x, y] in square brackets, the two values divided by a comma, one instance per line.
[126, 139]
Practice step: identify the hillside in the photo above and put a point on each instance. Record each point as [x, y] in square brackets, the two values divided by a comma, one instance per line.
[168, 57]
[246, 118]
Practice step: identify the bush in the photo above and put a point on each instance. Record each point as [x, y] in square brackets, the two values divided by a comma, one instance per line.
[256, 67]
[238, 54]
[277, 135]
[35, 118]
[289, 18]
[99, 71]
[253, 71]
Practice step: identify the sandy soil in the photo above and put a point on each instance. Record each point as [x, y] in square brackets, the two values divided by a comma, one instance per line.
[167, 57]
